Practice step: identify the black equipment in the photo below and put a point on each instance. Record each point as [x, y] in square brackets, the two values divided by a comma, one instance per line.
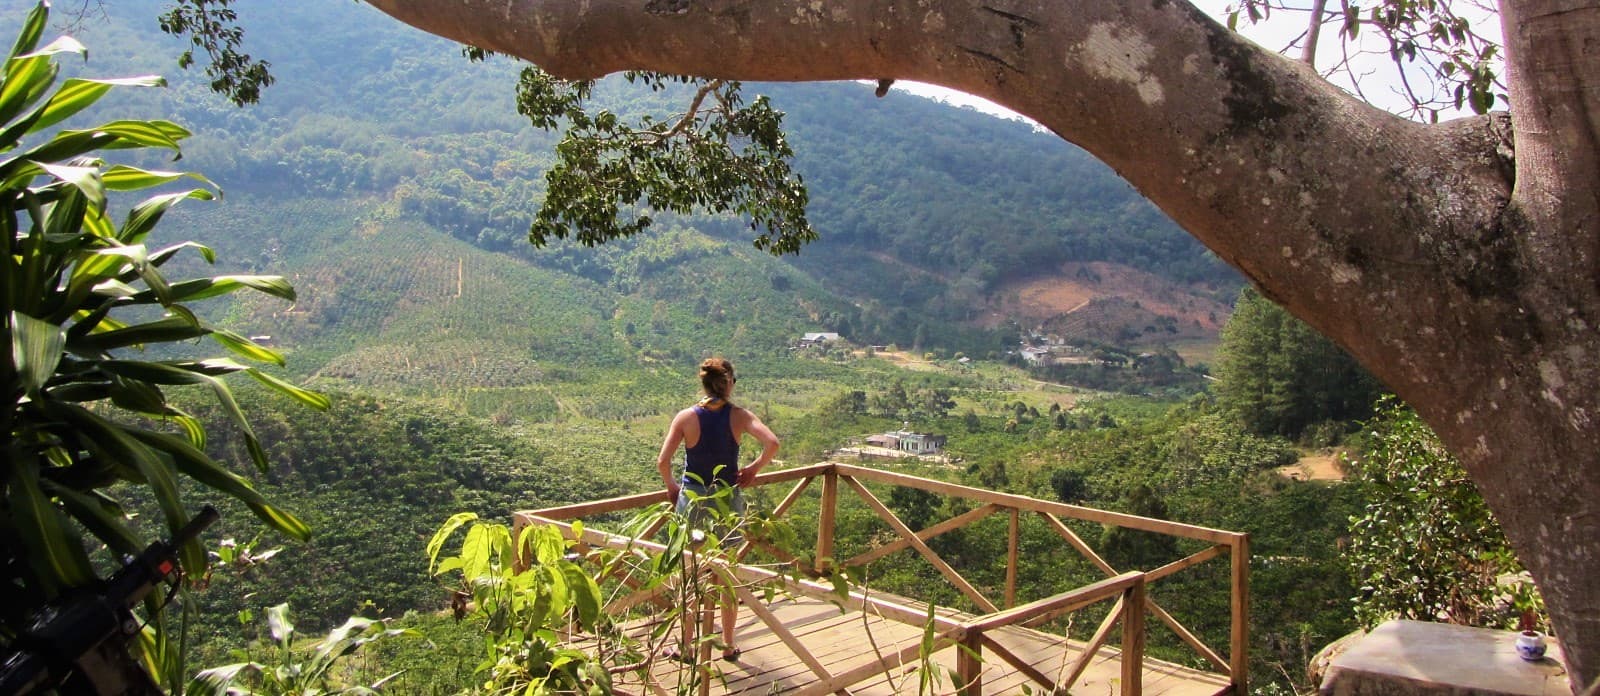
[77, 644]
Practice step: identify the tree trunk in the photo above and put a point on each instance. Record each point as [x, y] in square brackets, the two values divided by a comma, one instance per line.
[1464, 279]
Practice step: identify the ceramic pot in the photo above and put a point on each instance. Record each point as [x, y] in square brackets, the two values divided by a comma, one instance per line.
[1530, 646]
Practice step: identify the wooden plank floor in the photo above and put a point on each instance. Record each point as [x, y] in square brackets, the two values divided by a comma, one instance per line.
[845, 640]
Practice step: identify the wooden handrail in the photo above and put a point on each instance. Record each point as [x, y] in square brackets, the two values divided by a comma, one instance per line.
[922, 547]
[1070, 600]
[1189, 531]
[953, 523]
[1034, 613]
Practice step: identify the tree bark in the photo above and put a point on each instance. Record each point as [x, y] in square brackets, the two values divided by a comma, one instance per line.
[1462, 276]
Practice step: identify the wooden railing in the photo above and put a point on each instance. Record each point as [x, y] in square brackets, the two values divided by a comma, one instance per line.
[1127, 589]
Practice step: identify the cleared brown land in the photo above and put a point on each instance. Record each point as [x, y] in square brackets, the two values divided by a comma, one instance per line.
[1101, 300]
[1315, 467]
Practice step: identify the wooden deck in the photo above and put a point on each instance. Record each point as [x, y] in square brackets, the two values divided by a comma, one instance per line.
[804, 644]
[847, 640]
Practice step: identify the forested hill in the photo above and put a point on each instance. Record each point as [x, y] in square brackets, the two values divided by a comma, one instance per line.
[928, 213]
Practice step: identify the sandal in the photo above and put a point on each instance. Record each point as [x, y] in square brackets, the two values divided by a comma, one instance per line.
[677, 655]
[732, 655]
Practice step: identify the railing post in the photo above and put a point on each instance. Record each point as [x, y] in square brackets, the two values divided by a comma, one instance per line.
[969, 664]
[1239, 638]
[1011, 559]
[1133, 639]
[830, 502]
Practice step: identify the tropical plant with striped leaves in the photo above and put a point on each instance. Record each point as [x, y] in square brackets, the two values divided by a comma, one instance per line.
[82, 298]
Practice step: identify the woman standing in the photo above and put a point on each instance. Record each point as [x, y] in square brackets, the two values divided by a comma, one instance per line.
[710, 432]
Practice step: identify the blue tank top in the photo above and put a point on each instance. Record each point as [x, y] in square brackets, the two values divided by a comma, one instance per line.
[716, 455]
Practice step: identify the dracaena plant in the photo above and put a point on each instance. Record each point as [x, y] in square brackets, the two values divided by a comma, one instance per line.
[82, 298]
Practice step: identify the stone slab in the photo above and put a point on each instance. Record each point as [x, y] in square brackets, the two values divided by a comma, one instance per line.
[1415, 657]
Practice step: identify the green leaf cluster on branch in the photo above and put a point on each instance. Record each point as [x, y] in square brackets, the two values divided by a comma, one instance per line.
[1460, 66]
[211, 26]
[77, 293]
[1427, 547]
[721, 155]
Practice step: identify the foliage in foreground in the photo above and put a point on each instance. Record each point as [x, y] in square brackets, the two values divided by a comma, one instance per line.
[1427, 547]
[78, 294]
[282, 668]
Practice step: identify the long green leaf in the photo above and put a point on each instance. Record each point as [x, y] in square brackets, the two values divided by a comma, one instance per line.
[36, 350]
[161, 256]
[99, 515]
[196, 465]
[154, 372]
[62, 44]
[64, 146]
[165, 330]
[108, 262]
[78, 94]
[585, 594]
[206, 288]
[32, 29]
[246, 348]
[145, 215]
[124, 178]
[111, 441]
[304, 396]
[56, 555]
[129, 134]
[27, 79]
[138, 396]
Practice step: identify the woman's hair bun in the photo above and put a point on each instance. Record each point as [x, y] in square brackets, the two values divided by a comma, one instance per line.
[716, 377]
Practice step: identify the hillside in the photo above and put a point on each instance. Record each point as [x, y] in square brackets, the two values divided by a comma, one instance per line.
[930, 215]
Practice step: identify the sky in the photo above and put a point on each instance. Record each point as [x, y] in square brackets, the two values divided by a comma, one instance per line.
[1380, 83]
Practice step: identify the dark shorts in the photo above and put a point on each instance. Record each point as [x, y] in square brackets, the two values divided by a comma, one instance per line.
[709, 510]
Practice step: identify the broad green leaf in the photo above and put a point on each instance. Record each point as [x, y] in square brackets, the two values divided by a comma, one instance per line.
[64, 146]
[279, 625]
[310, 398]
[154, 372]
[78, 94]
[86, 179]
[585, 594]
[97, 223]
[52, 549]
[36, 350]
[437, 542]
[246, 348]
